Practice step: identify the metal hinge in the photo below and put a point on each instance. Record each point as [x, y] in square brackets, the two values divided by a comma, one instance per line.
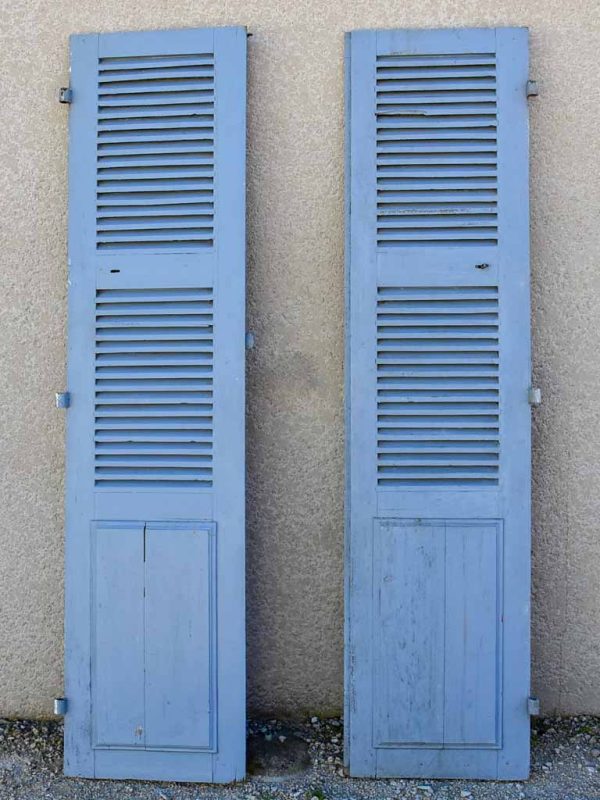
[533, 706]
[65, 94]
[60, 706]
[63, 399]
[532, 89]
[250, 340]
[534, 396]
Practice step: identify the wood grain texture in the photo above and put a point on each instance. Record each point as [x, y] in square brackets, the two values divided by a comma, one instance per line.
[438, 422]
[155, 434]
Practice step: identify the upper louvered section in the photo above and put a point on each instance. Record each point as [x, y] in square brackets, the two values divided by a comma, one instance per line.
[438, 412]
[436, 150]
[154, 388]
[155, 153]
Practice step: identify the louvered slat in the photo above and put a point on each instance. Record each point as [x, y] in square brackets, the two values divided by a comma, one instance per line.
[155, 153]
[436, 150]
[154, 388]
[437, 387]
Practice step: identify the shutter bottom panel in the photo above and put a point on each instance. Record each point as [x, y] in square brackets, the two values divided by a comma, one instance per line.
[438, 412]
[153, 388]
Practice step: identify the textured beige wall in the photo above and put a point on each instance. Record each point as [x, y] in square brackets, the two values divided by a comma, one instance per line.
[295, 421]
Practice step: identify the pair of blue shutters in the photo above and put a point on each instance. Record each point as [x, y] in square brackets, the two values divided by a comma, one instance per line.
[437, 418]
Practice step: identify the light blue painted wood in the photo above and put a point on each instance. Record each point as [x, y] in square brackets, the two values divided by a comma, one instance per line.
[473, 670]
[180, 618]
[361, 435]
[155, 431]
[437, 625]
[118, 636]
[409, 634]
[438, 422]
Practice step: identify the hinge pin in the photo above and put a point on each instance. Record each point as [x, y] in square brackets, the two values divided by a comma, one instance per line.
[65, 94]
[532, 89]
[533, 706]
[60, 706]
[63, 399]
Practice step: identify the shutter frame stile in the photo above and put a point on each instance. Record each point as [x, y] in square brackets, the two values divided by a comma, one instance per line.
[155, 432]
[230, 238]
[360, 370]
[437, 372]
[79, 434]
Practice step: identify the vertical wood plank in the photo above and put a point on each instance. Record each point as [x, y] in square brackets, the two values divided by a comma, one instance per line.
[409, 621]
[179, 631]
[118, 700]
[229, 381]
[78, 755]
[360, 388]
[472, 705]
[515, 378]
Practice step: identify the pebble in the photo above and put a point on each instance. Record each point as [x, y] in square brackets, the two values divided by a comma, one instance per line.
[37, 750]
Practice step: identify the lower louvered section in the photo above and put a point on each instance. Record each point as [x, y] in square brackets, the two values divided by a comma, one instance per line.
[438, 413]
[154, 388]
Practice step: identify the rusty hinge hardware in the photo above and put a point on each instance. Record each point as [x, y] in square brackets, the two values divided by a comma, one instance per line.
[63, 399]
[60, 706]
[532, 89]
[534, 396]
[65, 94]
[533, 706]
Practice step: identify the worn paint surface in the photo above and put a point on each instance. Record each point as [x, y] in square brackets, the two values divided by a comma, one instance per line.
[155, 528]
[438, 524]
[295, 419]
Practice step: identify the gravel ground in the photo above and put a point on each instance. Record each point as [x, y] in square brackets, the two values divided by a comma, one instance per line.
[304, 762]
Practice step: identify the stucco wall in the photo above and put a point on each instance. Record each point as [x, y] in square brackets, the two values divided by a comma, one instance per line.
[295, 420]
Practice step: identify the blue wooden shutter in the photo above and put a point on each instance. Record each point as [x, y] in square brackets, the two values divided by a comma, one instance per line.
[438, 422]
[155, 670]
